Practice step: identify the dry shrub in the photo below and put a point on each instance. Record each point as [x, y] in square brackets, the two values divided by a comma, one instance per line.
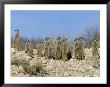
[35, 67]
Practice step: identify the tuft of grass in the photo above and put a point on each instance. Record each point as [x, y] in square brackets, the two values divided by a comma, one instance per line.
[34, 68]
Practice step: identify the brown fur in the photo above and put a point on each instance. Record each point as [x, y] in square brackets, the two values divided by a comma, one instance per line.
[16, 40]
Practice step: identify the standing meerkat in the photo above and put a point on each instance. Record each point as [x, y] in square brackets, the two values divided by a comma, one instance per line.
[50, 49]
[46, 47]
[76, 48]
[64, 49]
[39, 49]
[95, 48]
[42, 48]
[16, 40]
[58, 49]
[27, 46]
[31, 54]
[30, 50]
[95, 53]
[69, 53]
[81, 49]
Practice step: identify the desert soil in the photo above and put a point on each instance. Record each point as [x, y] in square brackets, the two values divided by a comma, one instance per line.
[56, 68]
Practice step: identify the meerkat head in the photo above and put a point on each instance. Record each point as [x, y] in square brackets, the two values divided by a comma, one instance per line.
[17, 30]
[28, 41]
[80, 39]
[65, 39]
[75, 40]
[59, 38]
[47, 38]
[40, 42]
[94, 40]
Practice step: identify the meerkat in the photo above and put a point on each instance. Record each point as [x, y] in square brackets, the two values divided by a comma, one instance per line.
[95, 48]
[17, 40]
[27, 46]
[95, 54]
[64, 49]
[58, 49]
[53, 50]
[50, 49]
[81, 49]
[39, 50]
[31, 54]
[28, 49]
[43, 48]
[69, 53]
[46, 47]
[76, 48]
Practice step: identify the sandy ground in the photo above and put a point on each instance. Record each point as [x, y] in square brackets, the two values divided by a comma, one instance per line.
[56, 68]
